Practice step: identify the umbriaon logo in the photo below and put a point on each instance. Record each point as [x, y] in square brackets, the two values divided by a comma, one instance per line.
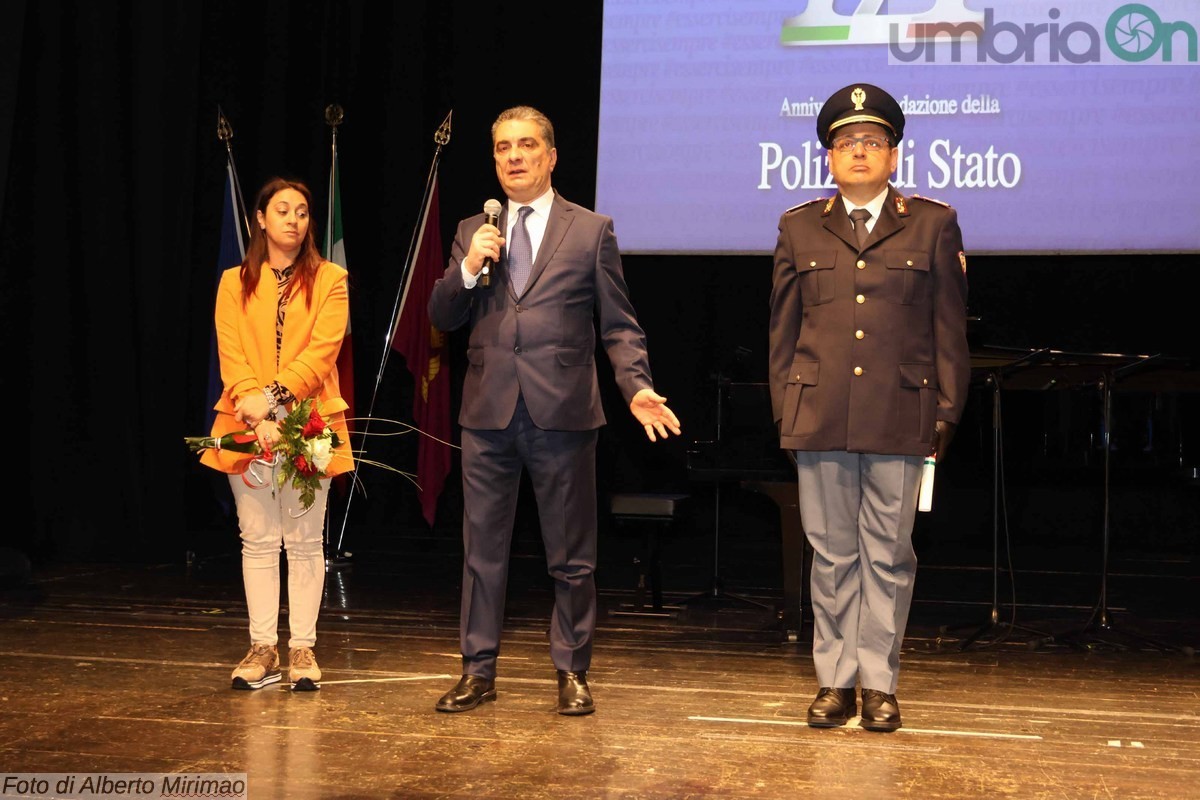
[1134, 33]
[820, 24]
[1030, 32]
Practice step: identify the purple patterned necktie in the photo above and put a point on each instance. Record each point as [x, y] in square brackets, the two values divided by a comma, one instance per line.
[520, 252]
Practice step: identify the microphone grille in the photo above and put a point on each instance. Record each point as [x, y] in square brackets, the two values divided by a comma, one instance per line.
[492, 208]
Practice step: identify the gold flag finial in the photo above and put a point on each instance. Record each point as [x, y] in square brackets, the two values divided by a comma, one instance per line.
[442, 135]
[224, 129]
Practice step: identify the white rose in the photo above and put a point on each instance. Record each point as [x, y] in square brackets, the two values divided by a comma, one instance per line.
[320, 451]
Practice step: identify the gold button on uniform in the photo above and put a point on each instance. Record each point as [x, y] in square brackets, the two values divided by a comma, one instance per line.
[910, 263]
[861, 265]
[812, 263]
[859, 334]
[858, 370]
[860, 299]
[925, 381]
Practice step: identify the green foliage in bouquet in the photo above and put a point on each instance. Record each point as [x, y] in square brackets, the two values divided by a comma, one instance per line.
[306, 445]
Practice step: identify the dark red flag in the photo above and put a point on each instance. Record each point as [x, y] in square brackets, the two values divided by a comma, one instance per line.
[425, 350]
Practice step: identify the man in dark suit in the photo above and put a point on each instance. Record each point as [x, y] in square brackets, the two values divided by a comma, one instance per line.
[531, 398]
[869, 369]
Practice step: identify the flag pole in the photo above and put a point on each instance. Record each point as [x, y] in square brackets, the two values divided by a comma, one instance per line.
[334, 250]
[334, 115]
[241, 233]
[441, 138]
[225, 134]
[231, 251]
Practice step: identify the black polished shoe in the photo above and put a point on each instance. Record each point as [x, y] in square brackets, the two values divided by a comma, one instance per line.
[832, 707]
[470, 691]
[880, 712]
[574, 696]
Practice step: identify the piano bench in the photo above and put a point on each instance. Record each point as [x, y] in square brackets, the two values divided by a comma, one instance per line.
[652, 513]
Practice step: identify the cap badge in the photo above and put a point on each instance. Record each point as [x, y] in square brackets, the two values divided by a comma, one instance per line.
[859, 97]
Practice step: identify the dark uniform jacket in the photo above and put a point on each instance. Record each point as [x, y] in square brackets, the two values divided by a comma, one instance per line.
[868, 349]
[542, 346]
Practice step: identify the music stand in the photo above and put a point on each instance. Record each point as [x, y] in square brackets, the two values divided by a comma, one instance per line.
[716, 588]
[1000, 630]
[1100, 629]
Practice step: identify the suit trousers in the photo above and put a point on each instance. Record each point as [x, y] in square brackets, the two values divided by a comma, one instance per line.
[265, 517]
[858, 512]
[562, 468]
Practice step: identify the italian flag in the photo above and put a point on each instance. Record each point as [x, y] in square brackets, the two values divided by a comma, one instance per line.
[335, 251]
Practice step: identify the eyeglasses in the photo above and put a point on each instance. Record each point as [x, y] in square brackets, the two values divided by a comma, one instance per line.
[872, 144]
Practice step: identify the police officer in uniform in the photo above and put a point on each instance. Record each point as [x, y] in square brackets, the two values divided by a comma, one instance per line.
[869, 368]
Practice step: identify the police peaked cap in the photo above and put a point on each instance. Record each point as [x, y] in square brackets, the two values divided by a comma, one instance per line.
[859, 102]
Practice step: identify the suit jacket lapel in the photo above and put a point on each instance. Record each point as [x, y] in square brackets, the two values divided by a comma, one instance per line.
[837, 222]
[889, 221]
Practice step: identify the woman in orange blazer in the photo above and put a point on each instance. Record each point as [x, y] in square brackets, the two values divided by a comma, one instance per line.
[280, 317]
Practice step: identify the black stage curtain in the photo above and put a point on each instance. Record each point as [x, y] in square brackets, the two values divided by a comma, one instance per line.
[113, 180]
[111, 177]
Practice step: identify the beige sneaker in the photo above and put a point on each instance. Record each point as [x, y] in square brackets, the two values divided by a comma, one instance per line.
[303, 671]
[259, 668]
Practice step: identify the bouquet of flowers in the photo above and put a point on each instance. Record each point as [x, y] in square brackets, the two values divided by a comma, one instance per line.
[302, 453]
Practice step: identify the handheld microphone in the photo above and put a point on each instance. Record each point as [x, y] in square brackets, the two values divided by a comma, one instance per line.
[491, 210]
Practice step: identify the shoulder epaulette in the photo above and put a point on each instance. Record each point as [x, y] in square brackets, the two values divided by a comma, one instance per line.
[931, 200]
[808, 203]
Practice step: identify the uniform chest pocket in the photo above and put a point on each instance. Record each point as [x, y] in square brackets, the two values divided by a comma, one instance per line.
[816, 272]
[907, 276]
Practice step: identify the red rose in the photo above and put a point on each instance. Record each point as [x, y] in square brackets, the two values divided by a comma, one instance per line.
[314, 426]
[304, 468]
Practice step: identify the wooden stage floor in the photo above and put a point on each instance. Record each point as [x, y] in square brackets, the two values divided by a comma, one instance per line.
[124, 668]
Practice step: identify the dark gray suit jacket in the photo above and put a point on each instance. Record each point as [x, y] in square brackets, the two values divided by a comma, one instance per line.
[542, 345]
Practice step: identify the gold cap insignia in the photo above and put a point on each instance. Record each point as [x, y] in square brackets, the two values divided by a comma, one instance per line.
[859, 97]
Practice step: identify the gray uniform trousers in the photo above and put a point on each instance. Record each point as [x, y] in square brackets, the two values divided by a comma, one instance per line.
[858, 512]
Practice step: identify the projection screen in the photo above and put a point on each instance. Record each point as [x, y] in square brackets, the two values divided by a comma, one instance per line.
[1050, 126]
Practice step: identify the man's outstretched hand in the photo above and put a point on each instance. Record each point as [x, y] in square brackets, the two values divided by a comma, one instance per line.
[651, 411]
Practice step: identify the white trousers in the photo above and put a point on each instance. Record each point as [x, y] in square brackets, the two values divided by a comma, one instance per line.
[858, 512]
[266, 522]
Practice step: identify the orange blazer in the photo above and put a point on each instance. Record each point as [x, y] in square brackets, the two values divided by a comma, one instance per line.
[312, 337]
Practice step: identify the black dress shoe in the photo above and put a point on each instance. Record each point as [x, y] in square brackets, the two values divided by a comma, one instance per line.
[574, 696]
[470, 691]
[880, 712]
[832, 707]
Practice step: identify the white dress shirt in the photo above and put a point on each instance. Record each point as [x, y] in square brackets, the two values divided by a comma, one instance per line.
[875, 207]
